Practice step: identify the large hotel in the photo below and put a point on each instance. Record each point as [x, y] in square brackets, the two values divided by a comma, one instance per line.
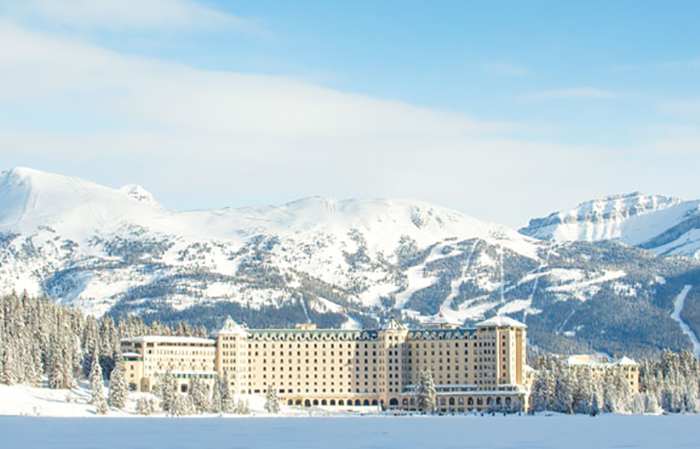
[482, 368]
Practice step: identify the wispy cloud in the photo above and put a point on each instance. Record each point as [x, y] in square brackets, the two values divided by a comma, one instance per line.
[201, 138]
[689, 64]
[686, 107]
[505, 69]
[168, 94]
[138, 15]
[578, 93]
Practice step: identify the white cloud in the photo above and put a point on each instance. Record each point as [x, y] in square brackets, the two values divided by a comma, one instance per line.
[583, 93]
[689, 64]
[506, 69]
[113, 15]
[685, 108]
[167, 94]
[199, 138]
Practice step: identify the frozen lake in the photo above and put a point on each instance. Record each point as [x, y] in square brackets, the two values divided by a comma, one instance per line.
[379, 432]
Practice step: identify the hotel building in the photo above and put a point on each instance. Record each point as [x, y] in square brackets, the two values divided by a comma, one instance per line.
[481, 368]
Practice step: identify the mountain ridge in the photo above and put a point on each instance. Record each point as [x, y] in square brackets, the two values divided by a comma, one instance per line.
[662, 224]
[332, 262]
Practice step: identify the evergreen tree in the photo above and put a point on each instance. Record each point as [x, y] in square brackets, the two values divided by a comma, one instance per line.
[145, 406]
[222, 401]
[425, 392]
[96, 383]
[272, 404]
[168, 391]
[101, 407]
[199, 397]
[9, 374]
[242, 407]
[181, 406]
[118, 390]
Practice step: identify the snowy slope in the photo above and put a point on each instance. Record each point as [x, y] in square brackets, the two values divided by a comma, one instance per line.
[341, 262]
[665, 225]
[96, 240]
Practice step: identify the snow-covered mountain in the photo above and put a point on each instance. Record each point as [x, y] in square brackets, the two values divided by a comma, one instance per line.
[664, 225]
[51, 222]
[334, 262]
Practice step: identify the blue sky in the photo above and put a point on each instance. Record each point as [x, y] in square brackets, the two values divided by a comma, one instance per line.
[502, 110]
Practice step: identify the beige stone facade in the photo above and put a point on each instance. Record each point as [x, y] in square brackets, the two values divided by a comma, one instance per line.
[481, 368]
[147, 358]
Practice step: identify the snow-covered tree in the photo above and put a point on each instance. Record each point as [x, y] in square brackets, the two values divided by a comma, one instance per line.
[9, 373]
[101, 407]
[242, 407]
[272, 404]
[118, 390]
[167, 390]
[145, 406]
[222, 398]
[96, 383]
[199, 396]
[425, 391]
[182, 406]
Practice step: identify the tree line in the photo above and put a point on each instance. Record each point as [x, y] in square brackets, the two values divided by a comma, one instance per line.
[670, 384]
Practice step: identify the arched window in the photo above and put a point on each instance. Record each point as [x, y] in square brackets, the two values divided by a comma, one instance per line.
[404, 402]
[290, 402]
[298, 401]
[374, 402]
[332, 402]
[341, 402]
[452, 401]
[508, 402]
[358, 402]
[498, 401]
[489, 401]
[470, 401]
[315, 402]
[366, 403]
[323, 402]
[442, 401]
[460, 401]
[307, 403]
[393, 402]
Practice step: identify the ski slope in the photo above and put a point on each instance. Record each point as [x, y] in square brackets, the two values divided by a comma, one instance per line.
[678, 305]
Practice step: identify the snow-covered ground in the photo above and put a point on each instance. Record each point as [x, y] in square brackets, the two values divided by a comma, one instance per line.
[21, 400]
[573, 432]
[41, 418]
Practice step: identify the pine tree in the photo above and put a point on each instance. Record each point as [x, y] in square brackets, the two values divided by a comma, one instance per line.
[272, 404]
[242, 407]
[9, 374]
[222, 401]
[118, 390]
[425, 392]
[563, 390]
[199, 397]
[96, 383]
[652, 404]
[145, 406]
[168, 391]
[181, 406]
[101, 407]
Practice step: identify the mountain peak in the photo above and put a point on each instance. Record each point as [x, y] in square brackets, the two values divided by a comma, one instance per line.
[138, 193]
[654, 222]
